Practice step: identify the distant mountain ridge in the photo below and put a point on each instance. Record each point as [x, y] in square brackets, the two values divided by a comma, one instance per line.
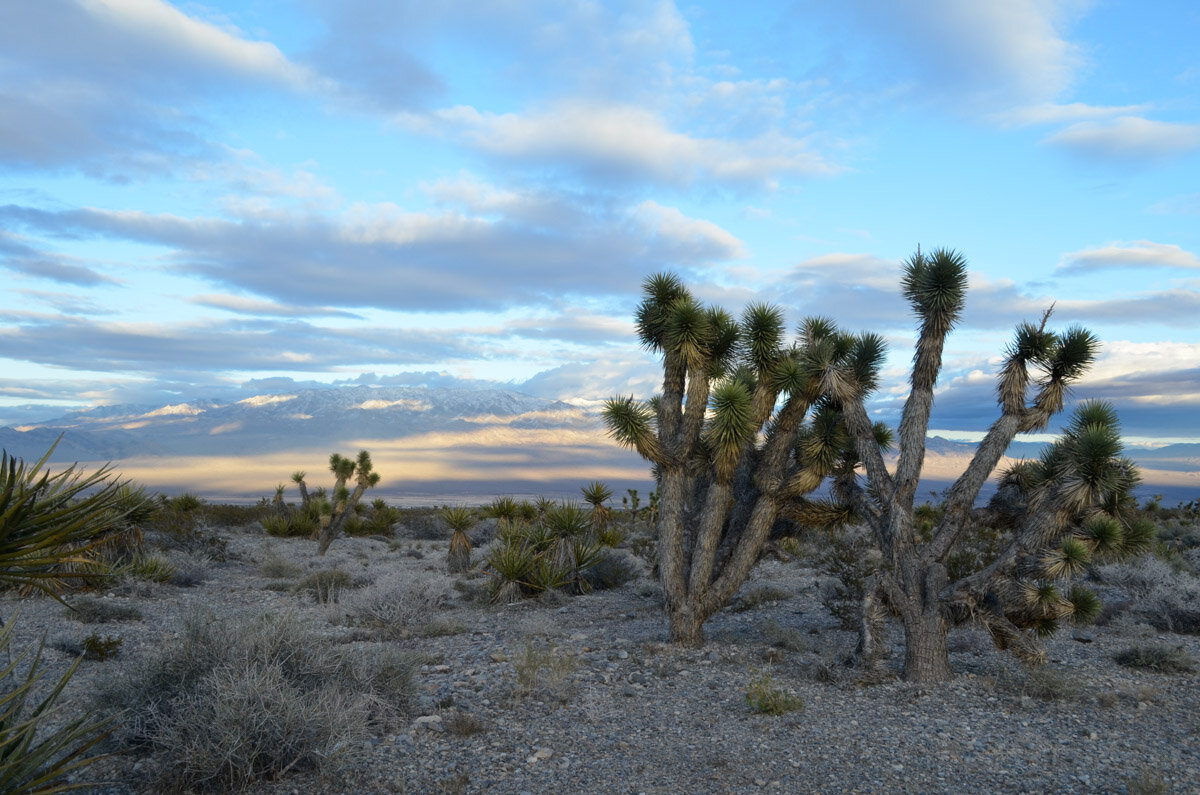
[269, 423]
[439, 441]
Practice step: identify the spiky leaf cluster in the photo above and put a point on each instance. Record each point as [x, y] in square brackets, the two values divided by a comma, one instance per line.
[1073, 513]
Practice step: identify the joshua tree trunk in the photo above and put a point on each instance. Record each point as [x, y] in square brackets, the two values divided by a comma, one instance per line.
[926, 655]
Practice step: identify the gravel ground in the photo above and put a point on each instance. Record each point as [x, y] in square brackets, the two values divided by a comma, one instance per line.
[617, 710]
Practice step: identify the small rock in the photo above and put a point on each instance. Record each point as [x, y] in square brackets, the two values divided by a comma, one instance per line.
[430, 723]
[498, 657]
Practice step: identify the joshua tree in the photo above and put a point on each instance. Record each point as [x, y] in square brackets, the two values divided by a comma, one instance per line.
[460, 520]
[728, 462]
[344, 500]
[1056, 512]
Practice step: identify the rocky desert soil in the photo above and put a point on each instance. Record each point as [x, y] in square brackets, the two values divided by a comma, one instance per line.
[582, 694]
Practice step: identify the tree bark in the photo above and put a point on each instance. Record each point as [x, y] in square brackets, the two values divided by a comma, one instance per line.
[686, 624]
[926, 655]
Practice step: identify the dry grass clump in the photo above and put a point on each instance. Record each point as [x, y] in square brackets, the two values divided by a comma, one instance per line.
[235, 702]
[544, 671]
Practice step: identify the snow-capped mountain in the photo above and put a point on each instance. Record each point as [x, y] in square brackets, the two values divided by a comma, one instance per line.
[278, 422]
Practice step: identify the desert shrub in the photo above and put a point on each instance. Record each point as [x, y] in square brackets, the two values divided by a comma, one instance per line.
[767, 698]
[1159, 658]
[100, 611]
[151, 568]
[190, 569]
[1039, 681]
[396, 610]
[849, 558]
[225, 515]
[611, 570]
[326, 586]
[278, 568]
[235, 702]
[422, 523]
[98, 647]
[463, 724]
[544, 671]
[789, 638]
[1163, 597]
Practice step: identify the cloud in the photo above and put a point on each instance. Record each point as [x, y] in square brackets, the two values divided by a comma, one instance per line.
[19, 257]
[185, 349]
[609, 142]
[1009, 54]
[110, 87]
[530, 249]
[250, 306]
[1133, 254]
[1059, 113]
[1128, 138]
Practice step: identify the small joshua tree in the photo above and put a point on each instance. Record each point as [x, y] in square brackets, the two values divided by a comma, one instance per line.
[1057, 512]
[728, 437]
[344, 501]
[460, 520]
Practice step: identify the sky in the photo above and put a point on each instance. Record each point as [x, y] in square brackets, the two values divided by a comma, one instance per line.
[222, 199]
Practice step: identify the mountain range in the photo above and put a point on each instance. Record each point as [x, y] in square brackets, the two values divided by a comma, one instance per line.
[430, 445]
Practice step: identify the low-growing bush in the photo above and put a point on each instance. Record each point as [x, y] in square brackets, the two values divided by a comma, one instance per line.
[397, 610]
[1159, 658]
[326, 586]
[767, 698]
[237, 702]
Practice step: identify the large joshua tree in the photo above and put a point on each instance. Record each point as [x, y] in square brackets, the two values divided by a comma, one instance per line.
[728, 437]
[1055, 514]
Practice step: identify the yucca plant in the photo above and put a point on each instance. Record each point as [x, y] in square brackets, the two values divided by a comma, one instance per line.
[729, 438]
[46, 521]
[1055, 511]
[459, 520]
[596, 494]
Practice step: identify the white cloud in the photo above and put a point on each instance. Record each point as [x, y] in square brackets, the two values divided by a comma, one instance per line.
[704, 238]
[1133, 254]
[1009, 53]
[1128, 137]
[623, 142]
[1060, 113]
[161, 27]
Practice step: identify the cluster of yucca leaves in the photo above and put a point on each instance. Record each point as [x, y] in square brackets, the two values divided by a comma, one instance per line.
[50, 527]
[1068, 511]
[746, 426]
[551, 551]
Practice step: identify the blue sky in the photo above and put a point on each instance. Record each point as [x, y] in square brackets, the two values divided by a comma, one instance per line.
[216, 199]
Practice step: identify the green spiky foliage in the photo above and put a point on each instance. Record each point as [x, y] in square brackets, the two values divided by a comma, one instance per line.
[1065, 511]
[459, 520]
[49, 524]
[596, 494]
[746, 426]
[1022, 587]
[553, 551]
